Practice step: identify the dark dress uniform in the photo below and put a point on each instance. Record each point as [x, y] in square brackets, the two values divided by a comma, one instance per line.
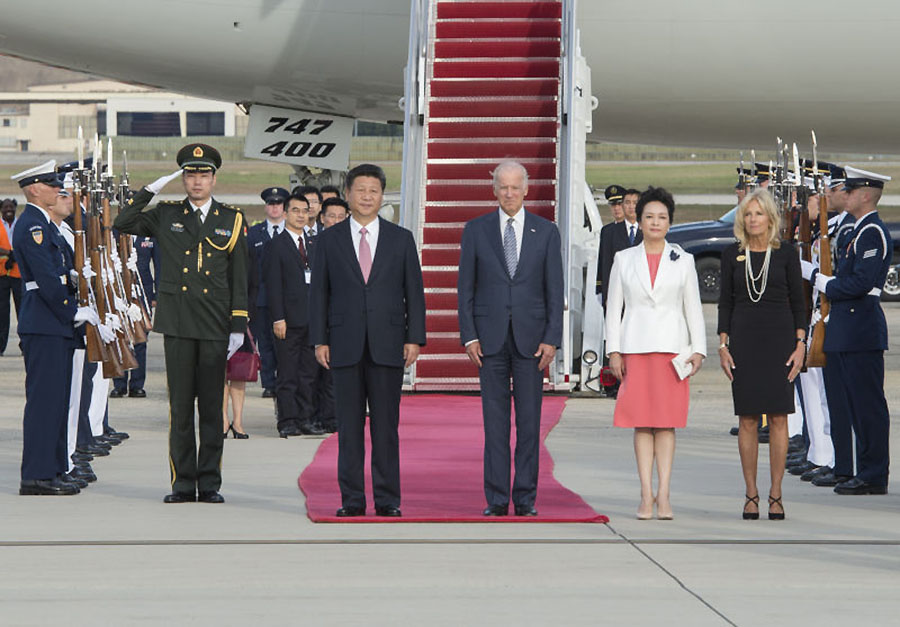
[46, 329]
[202, 298]
[260, 321]
[133, 380]
[855, 342]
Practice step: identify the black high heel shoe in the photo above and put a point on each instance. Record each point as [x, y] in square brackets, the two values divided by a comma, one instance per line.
[225, 435]
[239, 435]
[776, 515]
[751, 515]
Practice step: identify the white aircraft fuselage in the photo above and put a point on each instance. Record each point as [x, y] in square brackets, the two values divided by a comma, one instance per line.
[707, 72]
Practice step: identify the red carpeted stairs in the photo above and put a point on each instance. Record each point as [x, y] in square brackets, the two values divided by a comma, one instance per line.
[493, 94]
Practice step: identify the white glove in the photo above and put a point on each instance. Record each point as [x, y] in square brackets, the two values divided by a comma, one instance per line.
[134, 313]
[157, 185]
[73, 275]
[106, 334]
[120, 304]
[806, 268]
[87, 272]
[86, 314]
[132, 261]
[822, 281]
[235, 341]
[815, 317]
[113, 322]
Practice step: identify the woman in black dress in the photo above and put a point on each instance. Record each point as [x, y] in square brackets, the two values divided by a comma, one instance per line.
[762, 333]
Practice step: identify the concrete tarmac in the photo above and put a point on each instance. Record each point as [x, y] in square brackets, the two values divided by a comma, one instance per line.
[116, 555]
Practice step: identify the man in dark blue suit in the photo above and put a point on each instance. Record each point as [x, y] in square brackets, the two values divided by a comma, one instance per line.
[510, 321]
[367, 321]
[258, 237]
[46, 329]
[856, 336]
[287, 276]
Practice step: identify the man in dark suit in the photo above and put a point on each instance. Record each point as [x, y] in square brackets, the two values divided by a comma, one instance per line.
[510, 321]
[258, 237]
[286, 271]
[202, 312]
[367, 321]
[614, 237]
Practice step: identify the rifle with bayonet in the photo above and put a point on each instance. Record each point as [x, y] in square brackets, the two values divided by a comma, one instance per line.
[131, 276]
[815, 357]
[804, 231]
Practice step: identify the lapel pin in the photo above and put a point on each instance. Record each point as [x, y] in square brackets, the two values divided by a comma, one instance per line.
[674, 256]
[533, 231]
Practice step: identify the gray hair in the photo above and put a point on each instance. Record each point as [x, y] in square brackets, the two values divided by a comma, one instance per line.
[509, 165]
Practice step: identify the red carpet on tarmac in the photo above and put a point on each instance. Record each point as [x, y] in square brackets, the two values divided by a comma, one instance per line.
[441, 468]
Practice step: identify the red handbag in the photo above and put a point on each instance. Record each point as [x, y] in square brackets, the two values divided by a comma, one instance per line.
[244, 366]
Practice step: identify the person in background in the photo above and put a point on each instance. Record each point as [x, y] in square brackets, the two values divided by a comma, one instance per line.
[10, 277]
[329, 191]
[258, 237]
[762, 333]
[334, 210]
[656, 284]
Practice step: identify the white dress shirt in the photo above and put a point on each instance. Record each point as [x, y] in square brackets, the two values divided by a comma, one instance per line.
[371, 236]
[629, 226]
[270, 227]
[203, 209]
[518, 227]
[68, 234]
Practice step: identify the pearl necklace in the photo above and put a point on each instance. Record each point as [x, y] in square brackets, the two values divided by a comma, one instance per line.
[762, 279]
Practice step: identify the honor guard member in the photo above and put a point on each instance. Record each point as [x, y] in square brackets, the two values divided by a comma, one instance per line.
[615, 196]
[856, 335]
[201, 311]
[258, 237]
[46, 329]
[840, 423]
[762, 175]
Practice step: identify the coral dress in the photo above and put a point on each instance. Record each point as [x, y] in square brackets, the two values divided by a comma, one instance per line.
[651, 394]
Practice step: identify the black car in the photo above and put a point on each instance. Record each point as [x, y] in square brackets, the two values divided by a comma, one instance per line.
[707, 239]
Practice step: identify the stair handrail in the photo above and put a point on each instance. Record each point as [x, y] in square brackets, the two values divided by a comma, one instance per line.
[413, 119]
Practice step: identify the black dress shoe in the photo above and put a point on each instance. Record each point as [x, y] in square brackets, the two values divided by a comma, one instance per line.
[138, 393]
[763, 435]
[289, 431]
[496, 510]
[85, 474]
[329, 425]
[799, 469]
[179, 497]
[388, 511]
[117, 393]
[47, 487]
[78, 457]
[94, 449]
[793, 460]
[525, 510]
[311, 428]
[828, 479]
[858, 486]
[210, 497]
[350, 512]
[105, 439]
[68, 478]
[734, 430]
[116, 434]
[268, 393]
[809, 475]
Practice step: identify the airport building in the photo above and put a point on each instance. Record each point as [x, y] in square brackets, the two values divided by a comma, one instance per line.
[46, 118]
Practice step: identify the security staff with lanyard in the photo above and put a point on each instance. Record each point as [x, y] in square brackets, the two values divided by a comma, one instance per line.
[856, 335]
[201, 311]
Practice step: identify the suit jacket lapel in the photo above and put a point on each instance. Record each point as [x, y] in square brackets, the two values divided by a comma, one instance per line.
[529, 233]
[345, 242]
[665, 266]
[642, 268]
[492, 224]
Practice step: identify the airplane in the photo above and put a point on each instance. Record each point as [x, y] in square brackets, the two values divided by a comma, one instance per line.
[701, 73]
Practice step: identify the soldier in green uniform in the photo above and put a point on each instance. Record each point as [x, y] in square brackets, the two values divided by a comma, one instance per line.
[201, 311]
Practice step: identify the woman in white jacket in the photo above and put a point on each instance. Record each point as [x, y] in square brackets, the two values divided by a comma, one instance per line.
[655, 346]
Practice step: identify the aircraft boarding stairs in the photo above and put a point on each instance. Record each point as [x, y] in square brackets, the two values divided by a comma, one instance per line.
[486, 82]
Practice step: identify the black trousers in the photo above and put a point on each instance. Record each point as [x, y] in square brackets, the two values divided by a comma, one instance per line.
[527, 394]
[860, 377]
[840, 415]
[380, 386]
[195, 370]
[134, 379]
[48, 379]
[85, 435]
[295, 381]
[8, 286]
[324, 394]
[261, 326]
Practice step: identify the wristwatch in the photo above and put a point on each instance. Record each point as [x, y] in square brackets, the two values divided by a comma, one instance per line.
[723, 345]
